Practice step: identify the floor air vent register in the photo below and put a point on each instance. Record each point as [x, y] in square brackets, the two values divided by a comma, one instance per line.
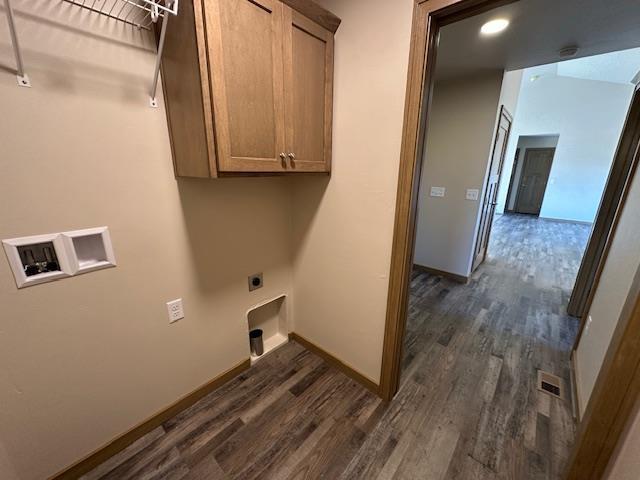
[550, 384]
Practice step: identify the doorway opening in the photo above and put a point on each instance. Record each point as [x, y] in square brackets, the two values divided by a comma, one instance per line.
[530, 173]
[487, 308]
[532, 181]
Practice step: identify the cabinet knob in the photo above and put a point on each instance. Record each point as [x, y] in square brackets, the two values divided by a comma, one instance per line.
[283, 156]
[292, 156]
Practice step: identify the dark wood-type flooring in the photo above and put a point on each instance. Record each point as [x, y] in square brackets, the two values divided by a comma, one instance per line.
[468, 407]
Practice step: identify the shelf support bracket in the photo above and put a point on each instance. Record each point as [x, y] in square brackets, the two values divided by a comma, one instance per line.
[153, 102]
[23, 78]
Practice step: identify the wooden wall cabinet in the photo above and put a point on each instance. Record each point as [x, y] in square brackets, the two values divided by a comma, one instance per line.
[248, 87]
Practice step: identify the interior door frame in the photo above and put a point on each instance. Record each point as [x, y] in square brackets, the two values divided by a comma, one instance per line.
[546, 182]
[608, 409]
[513, 175]
[503, 113]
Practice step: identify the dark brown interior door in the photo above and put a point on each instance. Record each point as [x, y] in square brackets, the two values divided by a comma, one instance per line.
[489, 200]
[533, 180]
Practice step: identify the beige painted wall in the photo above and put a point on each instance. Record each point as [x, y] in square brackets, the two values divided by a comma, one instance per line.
[510, 91]
[588, 116]
[6, 465]
[461, 129]
[621, 265]
[343, 227]
[84, 359]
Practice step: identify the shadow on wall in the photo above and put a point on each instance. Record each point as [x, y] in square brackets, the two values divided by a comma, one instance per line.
[236, 227]
[8, 69]
[312, 190]
[99, 75]
[71, 17]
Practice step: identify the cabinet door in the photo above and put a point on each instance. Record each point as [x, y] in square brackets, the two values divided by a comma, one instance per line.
[308, 93]
[246, 64]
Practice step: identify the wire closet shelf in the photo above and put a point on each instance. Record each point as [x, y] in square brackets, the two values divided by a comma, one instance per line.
[138, 13]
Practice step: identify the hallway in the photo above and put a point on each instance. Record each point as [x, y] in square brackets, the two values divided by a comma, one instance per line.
[545, 252]
[482, 345]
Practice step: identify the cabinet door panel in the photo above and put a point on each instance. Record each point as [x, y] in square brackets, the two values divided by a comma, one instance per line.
[309, 90]
[245, 56]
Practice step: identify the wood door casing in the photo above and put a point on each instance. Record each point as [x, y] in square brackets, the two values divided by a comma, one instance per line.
[488, 207]
[245, 41]
[308, 59]
[533, 180]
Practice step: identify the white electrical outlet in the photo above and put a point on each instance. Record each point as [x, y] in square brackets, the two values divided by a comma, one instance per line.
[175, 310]
[472, 194]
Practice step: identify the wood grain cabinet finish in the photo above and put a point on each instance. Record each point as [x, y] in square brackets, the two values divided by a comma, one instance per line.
[309, 87]
[248, 87]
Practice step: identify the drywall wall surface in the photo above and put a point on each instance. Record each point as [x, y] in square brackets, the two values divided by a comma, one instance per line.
[7, 471]
[84, 359]
[343, 227]
[588, 116]
[621, 266]
[510, 91]
[524, 142]
[459, 139]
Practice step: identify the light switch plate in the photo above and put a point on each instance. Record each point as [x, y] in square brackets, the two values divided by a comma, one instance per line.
[437, 191]
[175, 310]
[472, 194]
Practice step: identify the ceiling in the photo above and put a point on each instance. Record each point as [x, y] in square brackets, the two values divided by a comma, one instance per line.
[538, 30]
[616, 67]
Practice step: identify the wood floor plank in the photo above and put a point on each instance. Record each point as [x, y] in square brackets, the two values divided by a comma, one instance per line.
[285, 470]
[431, 456]
[125, 454]
[394, 460]
[201, 446]
[260, 406]
[206, 469]
[331, 454]
[470, 469]
[394, 422]
[146, 467]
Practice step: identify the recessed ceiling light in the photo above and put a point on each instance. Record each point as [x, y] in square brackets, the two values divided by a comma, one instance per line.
[494, 26]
